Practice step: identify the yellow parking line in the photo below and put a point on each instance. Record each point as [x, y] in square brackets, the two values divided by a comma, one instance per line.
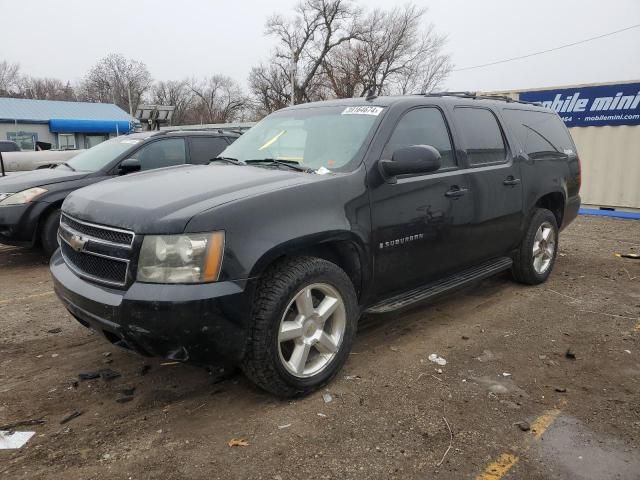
[544, 421]
[505, 462]
[499, 468]
[35, 295]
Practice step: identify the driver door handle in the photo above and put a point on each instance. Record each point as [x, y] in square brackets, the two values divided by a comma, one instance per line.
[511, 181]
[455, 192]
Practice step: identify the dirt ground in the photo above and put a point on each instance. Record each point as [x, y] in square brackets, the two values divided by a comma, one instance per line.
[393, 413]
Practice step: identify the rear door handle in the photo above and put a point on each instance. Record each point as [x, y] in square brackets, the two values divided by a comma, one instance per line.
[455, 192]
[511, 181]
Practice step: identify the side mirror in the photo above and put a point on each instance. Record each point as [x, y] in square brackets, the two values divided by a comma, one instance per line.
[410, 160]
[129, 165]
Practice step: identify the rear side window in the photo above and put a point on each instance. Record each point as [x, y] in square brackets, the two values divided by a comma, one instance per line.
[422, 126]
[481, 135]
[539, 133]
[204, 149]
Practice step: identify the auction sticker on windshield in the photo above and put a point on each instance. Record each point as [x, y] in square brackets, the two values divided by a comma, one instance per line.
[363, 110]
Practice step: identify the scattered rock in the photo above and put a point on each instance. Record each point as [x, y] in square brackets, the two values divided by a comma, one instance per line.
[569, 354]
[561, 390]
[438, 360]
[524, 426]
[393, 349]
[54, 330]
[464, 337]
[327, 397]
[281, 427]
[70, 416]
[238, 442]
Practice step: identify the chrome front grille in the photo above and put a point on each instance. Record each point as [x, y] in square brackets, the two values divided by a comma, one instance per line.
[96, 252]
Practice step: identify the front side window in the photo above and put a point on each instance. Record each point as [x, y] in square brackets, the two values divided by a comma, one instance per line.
[539, 133]
[161, 153]
[481, 135]
[422, 126]
[314, 137]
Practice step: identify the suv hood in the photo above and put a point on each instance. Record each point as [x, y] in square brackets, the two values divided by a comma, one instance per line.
[16, 182]
[163, 201]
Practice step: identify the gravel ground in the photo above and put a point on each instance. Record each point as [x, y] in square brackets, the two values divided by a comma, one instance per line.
[393, 413]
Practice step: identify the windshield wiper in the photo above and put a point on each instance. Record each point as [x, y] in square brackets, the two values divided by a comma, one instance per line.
[68, 166]
[285, 163]
[235, 161]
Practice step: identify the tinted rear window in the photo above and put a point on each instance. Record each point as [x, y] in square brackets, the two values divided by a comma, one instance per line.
[539, 133]
[481, 135]
[204, 149]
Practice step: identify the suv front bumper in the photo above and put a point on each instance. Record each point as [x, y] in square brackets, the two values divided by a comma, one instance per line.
[203, 323]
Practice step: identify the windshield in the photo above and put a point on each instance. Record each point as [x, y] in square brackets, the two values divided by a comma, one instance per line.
[314, 137]
[97, 157]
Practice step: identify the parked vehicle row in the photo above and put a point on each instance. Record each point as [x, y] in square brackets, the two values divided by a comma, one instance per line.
[30, 201]
[267, 256]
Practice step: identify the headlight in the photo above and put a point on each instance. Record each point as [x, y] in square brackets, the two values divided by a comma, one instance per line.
[22, 197]
[188, 258]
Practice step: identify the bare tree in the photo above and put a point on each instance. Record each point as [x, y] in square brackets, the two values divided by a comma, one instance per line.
[270, 88]
[393, 54]
[115, 79]
[9, 78]
[177, 94]
[218, 99]
[305, 40]
[46, 89]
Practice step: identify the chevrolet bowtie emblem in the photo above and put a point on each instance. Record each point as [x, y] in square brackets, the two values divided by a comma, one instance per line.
[77, 242]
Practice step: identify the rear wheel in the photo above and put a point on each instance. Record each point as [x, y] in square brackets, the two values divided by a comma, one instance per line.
[537, 253]
[49, 232]
[304, 322]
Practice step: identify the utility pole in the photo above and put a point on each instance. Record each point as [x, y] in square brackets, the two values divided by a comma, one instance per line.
[129, 93]
[294, 68]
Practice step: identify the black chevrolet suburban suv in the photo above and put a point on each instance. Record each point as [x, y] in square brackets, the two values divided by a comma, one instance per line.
[30, 201]
[268, 256]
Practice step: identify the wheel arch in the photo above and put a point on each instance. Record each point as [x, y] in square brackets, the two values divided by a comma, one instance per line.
[342, 248]
[554, 202]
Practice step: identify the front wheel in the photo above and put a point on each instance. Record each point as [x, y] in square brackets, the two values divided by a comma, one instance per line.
[536, 255]
[304, 323]
[49, 233]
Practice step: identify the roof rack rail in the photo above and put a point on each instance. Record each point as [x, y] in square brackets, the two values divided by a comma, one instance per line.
[477, 96]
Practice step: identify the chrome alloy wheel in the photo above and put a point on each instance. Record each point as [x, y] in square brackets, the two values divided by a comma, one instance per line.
[311, 330]
[544, 247]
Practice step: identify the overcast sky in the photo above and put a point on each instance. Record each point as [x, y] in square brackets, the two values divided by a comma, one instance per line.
[178, 39]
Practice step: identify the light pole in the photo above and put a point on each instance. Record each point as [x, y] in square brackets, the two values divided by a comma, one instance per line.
[294, 68]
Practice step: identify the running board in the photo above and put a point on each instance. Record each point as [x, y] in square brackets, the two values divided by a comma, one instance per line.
[440, 287]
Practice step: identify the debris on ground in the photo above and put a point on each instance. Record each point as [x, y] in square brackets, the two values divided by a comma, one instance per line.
[167, 364]
[11, 440]
[523, 425]
[327, 397]
[393, 349]
[628, 351]
[634, 256]
[506, 374]
[570, 355]
[437, 359]
[487, 356]
[70, 416]
[322, 415]
[465, 337]
[352, 377]
[238, 442]
[54, 330]
[106, 374]
[22, 423]
[560, 390]
[281, 427]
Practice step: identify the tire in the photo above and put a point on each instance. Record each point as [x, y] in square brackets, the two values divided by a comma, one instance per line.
[49, 233]
[534, 268]
[275, 352]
